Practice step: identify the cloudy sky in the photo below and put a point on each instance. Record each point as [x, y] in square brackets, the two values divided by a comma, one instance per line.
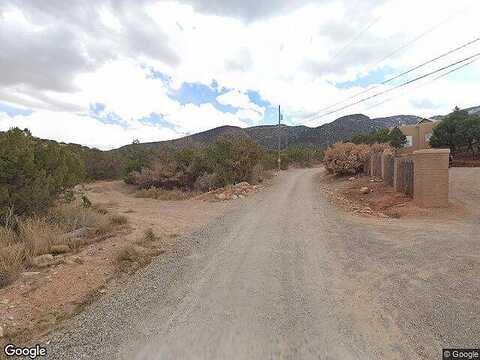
[105, 72]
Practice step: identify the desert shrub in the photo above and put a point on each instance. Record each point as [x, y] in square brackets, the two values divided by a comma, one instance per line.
[346, 158]
[228, 161]
[205, 182]
[257, 174]
[349, 158]
[73, 216]
[149, 236]
[378, 148]
[232, 160]
[131, 253]
[103, 165]
[38, 234]
[299, 156]
[11, 263]
[393, 137]
[459, 132]
[34, 173]
[136, 158]
[118, 219]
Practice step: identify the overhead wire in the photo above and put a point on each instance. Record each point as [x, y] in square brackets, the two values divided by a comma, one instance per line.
[398, 86]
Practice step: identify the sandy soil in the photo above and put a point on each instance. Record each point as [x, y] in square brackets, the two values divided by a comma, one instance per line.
[383, 202]
[465, 187]
[42, 298]
[288, 275]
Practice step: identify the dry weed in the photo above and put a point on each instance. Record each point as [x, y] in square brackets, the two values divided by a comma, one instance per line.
[118, 219]
[161, 194]
[11, 262]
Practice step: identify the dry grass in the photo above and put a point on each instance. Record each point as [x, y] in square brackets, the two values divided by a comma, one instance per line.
[73, 216]
[11, 263]
[161, 194]
[149, 236]
[138, 254]
[130, 252]
[35, 236]
[118, 219]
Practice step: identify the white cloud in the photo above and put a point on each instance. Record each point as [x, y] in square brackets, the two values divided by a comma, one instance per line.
[192, 118]
[79, 129]
[66, 57]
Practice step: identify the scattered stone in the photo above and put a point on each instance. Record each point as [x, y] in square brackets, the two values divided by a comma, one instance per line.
[364, 190]
[243, 184]
[43, 260]
[2, 332]
[78, 260]
[234, 196]
[221, 196]
[30, 273]
[59, 249]
[351, 178]
[382, 215]
[82, 232]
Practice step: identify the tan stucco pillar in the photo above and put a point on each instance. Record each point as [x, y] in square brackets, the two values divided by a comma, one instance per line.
[431, 177]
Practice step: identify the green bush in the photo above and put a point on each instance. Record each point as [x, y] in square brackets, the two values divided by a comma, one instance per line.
[459, 131]
[34, 173]
[394, 137]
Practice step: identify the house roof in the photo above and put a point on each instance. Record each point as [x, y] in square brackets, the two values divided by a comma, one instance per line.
[423, 121]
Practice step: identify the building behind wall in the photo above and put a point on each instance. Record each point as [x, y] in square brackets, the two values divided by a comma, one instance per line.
[418, 135]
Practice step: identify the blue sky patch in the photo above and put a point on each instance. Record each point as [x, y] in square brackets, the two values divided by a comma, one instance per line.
[373, 77]
[14, 111]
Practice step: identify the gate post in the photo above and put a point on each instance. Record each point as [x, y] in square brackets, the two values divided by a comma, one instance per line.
[431, 177]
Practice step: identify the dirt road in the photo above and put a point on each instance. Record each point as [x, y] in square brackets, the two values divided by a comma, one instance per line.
[286, 275]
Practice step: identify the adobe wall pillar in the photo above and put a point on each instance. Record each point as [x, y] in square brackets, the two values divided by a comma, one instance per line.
[431, 177]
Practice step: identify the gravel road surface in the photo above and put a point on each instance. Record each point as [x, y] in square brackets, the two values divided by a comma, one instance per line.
[284, 275]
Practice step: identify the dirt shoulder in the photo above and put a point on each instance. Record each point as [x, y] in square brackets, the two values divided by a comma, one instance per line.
[40, 299]
[367, 196]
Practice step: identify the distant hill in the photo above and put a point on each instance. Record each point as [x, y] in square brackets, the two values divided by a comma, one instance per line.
[475, 110]
[267, 135]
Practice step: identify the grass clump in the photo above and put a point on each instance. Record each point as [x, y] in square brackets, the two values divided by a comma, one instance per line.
[162, 194]
[118, 219]
[138, 254]
[28, 237]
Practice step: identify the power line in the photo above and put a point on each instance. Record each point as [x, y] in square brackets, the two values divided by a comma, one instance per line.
[426, 83]
[400, 75]
[397, 76]
[399, 49]
[398, 86]
[422, 35]
[356, 37]
[359, 34]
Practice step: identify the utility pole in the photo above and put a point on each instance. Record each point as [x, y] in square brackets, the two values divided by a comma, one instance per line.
[279, 137]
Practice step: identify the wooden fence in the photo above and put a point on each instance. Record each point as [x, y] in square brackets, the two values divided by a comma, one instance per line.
[388, 169]
[405, 178]
[376, 164]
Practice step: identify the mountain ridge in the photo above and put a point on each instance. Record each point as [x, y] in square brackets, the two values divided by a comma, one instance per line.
[324, 135]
